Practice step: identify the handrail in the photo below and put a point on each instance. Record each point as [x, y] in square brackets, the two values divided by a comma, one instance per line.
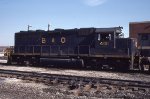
[31, 49]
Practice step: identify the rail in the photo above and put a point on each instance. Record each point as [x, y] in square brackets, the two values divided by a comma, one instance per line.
[84, 84]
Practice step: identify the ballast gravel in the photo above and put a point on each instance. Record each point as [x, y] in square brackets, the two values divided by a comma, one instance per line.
[87, 73]
[11, 88]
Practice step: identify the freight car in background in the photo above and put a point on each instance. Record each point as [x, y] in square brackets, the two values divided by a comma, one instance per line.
[84, 47]
[3, 56]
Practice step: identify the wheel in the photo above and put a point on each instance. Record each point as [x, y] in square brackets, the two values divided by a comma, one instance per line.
[9, 62]
[123, 67]
[27, 63]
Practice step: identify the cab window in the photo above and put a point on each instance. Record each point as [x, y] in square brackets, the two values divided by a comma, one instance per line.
[104, 39]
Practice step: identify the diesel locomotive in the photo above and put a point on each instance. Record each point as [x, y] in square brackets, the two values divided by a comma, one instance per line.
[85, 47]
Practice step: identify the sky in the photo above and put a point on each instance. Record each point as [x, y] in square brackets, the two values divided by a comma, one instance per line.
[16, 15]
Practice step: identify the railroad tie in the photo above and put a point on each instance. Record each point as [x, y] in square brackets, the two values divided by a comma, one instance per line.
[78, 92]
[88, 87]
[55, 81]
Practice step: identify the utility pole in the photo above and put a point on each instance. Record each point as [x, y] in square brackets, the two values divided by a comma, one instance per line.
[48, 26]
[29, 27]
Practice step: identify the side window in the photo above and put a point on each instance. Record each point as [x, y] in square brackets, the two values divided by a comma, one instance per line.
[104, 38]
[99, 37]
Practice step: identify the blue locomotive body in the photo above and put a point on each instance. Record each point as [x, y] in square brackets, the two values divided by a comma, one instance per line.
[95, 47]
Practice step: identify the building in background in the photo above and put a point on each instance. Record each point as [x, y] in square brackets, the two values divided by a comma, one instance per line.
[140, 31]
[138, 27]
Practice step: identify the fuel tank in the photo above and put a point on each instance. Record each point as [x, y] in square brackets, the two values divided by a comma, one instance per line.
[62, 62]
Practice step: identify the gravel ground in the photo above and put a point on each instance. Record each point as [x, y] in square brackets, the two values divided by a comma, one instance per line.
[101, 74]
[11, 88]
[18, 89]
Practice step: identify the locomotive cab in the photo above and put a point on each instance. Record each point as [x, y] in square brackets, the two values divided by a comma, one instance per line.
[113, 49]
[106, 40]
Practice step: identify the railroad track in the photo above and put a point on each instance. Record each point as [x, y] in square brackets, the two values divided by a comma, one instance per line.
[80, 85]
